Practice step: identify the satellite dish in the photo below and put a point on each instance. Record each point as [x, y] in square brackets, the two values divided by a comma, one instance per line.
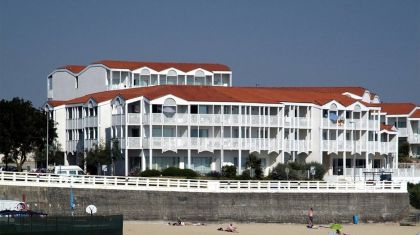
[91, 209]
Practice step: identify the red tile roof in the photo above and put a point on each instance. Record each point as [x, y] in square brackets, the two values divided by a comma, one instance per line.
[158, 66]
[223, 94]
[397, 108]
[56, 103]
[388, 128]
[73, 68]
[416, 114]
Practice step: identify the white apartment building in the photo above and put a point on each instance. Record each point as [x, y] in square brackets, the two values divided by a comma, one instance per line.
[189, 116]
[406, 118]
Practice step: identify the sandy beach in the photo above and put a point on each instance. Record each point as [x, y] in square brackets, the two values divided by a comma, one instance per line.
[145, 228]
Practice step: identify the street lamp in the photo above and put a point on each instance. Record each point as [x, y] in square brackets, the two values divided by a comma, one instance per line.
[47, 110]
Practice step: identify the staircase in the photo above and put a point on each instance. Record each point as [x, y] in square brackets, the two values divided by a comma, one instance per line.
[412, 219]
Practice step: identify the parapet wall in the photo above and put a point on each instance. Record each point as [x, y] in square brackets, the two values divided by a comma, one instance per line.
[212, 207]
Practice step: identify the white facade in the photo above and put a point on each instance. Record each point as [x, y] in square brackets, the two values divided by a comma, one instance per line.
[66, 83]
[157, 128]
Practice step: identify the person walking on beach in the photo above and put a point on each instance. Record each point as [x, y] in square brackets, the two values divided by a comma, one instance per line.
[311, 217]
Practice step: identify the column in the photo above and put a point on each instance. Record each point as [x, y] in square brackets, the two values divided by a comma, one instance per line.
[66, 160]
[143, 160]
[239, 161]
[126, 161]
[189, 158]
[150, 159]
[344, 162]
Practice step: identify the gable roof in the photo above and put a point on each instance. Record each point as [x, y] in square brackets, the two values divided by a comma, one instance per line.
[157, 66]
[73, 68]
[390, 128]
[397, 108]
[224, 94]
[416, 114]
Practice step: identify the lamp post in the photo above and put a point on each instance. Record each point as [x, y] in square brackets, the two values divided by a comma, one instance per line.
[47, 110]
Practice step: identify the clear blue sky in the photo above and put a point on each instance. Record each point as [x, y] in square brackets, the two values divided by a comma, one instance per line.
[374, 44]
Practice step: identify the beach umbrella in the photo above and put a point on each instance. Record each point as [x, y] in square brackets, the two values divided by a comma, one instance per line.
[336, 226]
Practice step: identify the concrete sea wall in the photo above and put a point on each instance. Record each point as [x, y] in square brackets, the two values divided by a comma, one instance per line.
[212, 207]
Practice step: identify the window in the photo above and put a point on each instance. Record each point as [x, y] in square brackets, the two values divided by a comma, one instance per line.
[194, 109]
[204, 109]
[208, 80]
[115, 77]
[154, 78]
[50, 85]
[226, 79]
[217, 79]
[194, 132]
[77, 81]
[201, 164]
[135, 132]
[157, 131]
[168, 132]
[172, 77]
[203, 133]
[402, 124]
[136, 81]
[156, 108]
[348, 114]
[181, 80]
[162, 79]
[190, 80]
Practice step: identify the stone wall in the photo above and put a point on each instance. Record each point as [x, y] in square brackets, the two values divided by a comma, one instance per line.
[212, 207]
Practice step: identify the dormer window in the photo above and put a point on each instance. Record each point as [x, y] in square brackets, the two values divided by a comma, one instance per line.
[199, 78]
[171, 78]
[50, 85]
[144, 77]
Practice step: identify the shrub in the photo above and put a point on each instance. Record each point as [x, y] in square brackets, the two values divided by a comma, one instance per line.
[174, 171]
[229, 171]
[214, 174]
[319, 170]
[150, 173]
[297, 171]
[246, 175]
[414, 193]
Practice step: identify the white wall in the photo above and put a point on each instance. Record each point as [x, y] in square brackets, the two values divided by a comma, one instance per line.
[63, 86]
[60, 119]
[104, 121]
[92, 80]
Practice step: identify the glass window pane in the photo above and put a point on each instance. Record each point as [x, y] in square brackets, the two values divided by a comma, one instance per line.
[162, 79]
[157, 131]
[217, 79]
[154, 79]
[172, 80]
[190, 80]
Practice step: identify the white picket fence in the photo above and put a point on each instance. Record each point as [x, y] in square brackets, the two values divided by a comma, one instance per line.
[196, 185]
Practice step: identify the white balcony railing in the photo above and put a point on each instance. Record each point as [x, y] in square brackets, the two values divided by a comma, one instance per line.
[118, 119]
[193, 185]
[403, 132]
[90, 121]
[134, 142]
[90, 143]
[414, 138]
[133, 118]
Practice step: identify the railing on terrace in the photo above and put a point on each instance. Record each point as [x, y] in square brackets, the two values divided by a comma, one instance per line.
[192, 185]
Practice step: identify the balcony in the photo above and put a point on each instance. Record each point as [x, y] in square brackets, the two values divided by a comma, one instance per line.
[74, 123]
[403, 132]
[118, 119]
[90, 121]
[414, 139]
[74, 146]
[297, 145]
[90, 143]
[204, 144]
[134, 118]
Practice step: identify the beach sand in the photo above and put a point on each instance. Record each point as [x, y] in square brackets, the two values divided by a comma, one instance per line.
[145, 228]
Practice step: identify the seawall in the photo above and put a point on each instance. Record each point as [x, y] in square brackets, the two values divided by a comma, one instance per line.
[213, 207]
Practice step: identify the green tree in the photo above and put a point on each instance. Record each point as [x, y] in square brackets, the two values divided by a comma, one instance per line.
[254, 163]
[115, 153]
[55, 155]
[23, 130]
[404, 152]
[97, 156]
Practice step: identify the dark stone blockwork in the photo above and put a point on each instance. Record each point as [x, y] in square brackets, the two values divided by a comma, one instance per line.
[240, 207]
